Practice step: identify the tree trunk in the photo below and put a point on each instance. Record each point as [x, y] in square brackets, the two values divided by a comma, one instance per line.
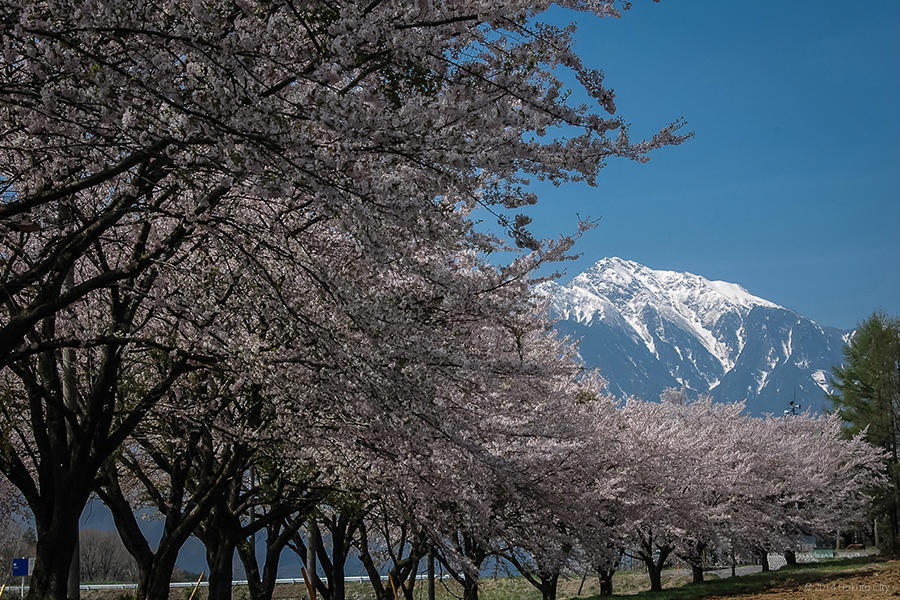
[606, 581]
[262, 586]
[403, 570]
[57, 537]
[764, 560]
[155, 571]
[70, 395]
[336, 585]
[220, 533]
[312, 546]
[548, 585]
[655, 573]
[340, 529]
[697, 573]
[53, 554]
[431, 575]
[247, 552]
[655, 567]
[369, 565]
[73, 585]
[156, 586]
[694, 557]
[408, 585]
[220, 559]
[154, 568]
[790, 558]
[470, 587]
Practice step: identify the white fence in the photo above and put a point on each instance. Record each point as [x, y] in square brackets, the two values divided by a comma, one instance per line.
[776, 560]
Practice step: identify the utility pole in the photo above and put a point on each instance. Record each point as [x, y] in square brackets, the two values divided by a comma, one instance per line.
[794, 407]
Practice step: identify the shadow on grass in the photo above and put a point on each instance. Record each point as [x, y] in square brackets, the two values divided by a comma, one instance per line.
[757, 582]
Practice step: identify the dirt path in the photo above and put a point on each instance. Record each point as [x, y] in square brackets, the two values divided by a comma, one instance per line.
[877, 582]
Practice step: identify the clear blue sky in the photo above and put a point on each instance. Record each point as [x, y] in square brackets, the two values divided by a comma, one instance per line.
[791, 185]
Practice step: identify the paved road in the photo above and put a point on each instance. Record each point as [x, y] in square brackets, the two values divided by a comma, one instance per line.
[740, 570]
[776, 561]
[723, 573]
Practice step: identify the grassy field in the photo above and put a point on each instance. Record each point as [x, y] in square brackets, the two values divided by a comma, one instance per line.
[627, 584]
[791, 578]
[490, 588]
[633, 584]
[499, 588]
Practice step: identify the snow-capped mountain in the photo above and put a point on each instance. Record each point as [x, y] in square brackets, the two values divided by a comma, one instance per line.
[646, 330]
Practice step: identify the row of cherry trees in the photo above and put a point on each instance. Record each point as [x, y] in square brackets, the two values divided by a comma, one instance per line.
[242, 285]
[548, 473]
[564, 481]
[663, 479]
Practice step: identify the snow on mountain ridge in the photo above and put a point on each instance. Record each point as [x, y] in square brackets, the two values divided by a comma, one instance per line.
[691, 302]
[645, 330]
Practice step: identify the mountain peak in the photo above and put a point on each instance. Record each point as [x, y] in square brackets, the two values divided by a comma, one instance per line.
[676, 287]
[692, 330]
[691, 302]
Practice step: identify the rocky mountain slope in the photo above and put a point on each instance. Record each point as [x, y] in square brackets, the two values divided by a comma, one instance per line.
[646, 330]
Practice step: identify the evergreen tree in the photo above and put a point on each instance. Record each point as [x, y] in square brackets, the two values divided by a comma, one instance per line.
[868, 396]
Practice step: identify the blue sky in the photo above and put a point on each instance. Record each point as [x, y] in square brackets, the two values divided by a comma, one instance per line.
[790, 186]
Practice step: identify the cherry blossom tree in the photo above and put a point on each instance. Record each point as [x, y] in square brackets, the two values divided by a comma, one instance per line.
[176, 472]
[659, 498]
[577, 466]
[526, 507]
[137, 134]
[271, 492]
[128, 116]
[388, 541]
[707, 476]
[716, 429]
[829, 479]
[341, 517]
[68, 415]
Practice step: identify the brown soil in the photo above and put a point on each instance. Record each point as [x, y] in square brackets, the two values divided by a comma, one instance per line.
[876, 582]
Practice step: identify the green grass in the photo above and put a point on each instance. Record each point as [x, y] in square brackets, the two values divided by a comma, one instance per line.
[517, 588]
[490, 588]
[754, 583]
[627, 584]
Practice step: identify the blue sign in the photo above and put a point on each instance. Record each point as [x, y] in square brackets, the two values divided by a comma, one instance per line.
[20, 567]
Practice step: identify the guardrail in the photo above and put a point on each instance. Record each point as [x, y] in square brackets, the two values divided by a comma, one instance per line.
[190, 584]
